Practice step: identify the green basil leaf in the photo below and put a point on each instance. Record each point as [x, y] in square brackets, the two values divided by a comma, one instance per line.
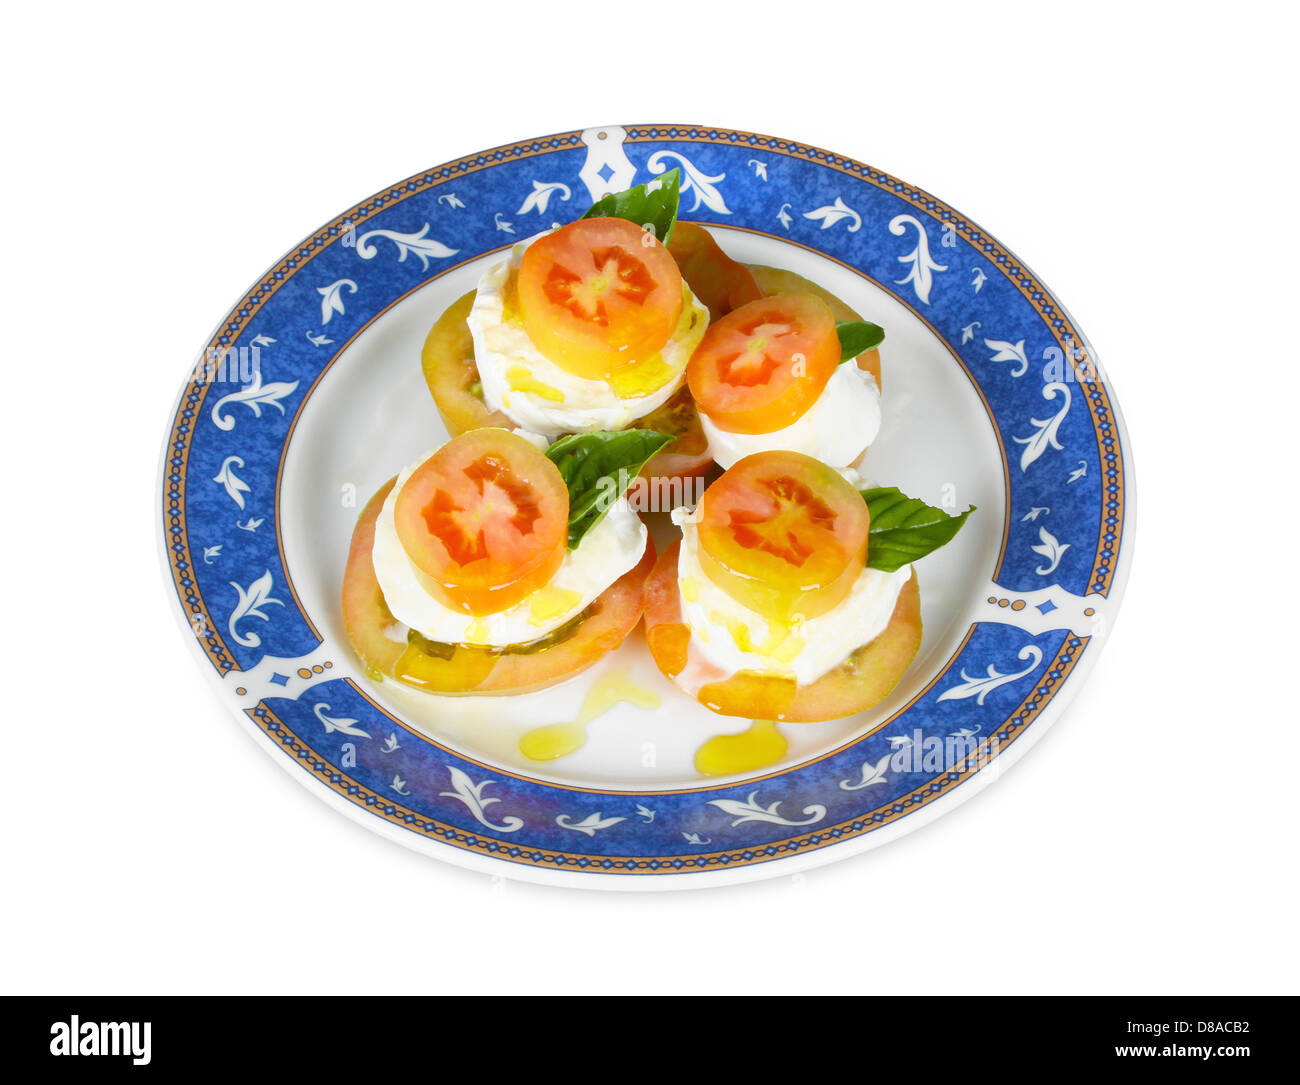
[904, 529]
[857, 337]
[652, 209]
[598, 468]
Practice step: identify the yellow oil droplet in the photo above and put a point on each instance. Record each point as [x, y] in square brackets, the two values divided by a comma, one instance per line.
[784, 642]
[788, 650]
[550, 602]
[725, 755]
[560, 739]
[521, 380]
[552, 741]
[477, 631]
[737, 629]
[642, 378]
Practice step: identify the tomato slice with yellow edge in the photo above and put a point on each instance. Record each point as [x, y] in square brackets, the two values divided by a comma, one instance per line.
[783, 534]
[714, 277]
[451, 372]
[484, 520]
[599, 295]
[861, 681]
[366, 616]
[761, 366]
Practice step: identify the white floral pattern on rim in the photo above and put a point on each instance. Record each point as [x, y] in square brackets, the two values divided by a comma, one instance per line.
[471, 794]
[980, 686]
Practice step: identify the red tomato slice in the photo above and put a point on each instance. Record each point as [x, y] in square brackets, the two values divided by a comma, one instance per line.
[599, 295]
[783, 534]
[863, 680]
[485, 520]
[761, 366]
[714, 277]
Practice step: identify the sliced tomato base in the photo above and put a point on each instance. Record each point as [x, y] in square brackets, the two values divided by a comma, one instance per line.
[862, 681]
[452, 374]
[469, 669]
[716, 279]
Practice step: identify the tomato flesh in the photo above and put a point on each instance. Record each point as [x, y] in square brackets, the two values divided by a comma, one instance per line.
[714, 277]
[761, 366]
[783, 534]
[484, 519]
[599, 295]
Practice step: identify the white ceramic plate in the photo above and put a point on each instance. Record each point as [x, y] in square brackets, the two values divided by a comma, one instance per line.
[991, 399]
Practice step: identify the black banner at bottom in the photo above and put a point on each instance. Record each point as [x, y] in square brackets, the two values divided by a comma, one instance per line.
[384, 1035]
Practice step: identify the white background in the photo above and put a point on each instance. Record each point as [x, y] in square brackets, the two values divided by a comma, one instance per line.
[1141, 162]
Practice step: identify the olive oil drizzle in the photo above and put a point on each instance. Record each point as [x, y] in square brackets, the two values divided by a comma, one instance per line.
[759, 747]
[443, 650]
[557, 740]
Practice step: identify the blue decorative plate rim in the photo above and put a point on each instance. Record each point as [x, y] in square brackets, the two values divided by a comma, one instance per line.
[1049, 598]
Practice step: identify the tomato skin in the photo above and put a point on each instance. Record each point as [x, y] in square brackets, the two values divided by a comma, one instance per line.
[365, 612]
[608, 622]
[451, 372]
[484, 520]
[862, 681]
[599, 295]
[773, 281]
[715, 278]
[761, 366]
[783, 534]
